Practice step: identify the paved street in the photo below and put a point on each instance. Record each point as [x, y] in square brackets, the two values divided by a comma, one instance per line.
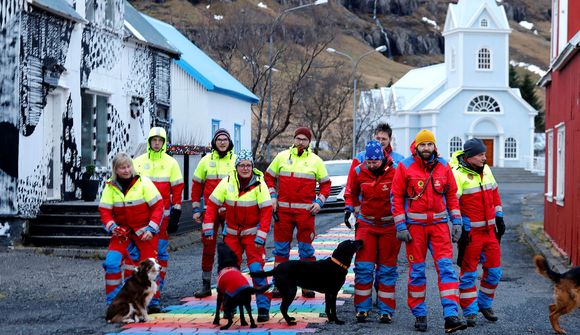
[42, 294]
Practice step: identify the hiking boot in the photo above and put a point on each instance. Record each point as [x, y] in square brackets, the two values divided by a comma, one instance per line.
[154, 309]
[453, 323]
[205, 289]
[386, 318]
[421, 323]
[275, 293]
[488, 313]
[263, 315]
[308, 294]
[361, 317]
[471, 320]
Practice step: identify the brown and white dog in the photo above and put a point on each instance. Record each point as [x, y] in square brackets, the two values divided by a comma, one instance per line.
[566, 291]
[130, 305]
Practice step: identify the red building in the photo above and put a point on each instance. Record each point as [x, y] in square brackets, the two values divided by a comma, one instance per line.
[562, 83]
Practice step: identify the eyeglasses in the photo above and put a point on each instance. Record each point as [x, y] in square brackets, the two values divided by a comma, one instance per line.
[245, 166]
[222, 140]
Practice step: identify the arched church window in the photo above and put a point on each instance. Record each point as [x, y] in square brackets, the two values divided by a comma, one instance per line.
[484, 59]
[455, 143]
[511, 148]
[483, 23]
[483, 104]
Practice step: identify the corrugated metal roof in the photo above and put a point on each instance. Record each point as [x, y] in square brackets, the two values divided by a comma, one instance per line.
[200, 66]
[144, 31]
[60, 8]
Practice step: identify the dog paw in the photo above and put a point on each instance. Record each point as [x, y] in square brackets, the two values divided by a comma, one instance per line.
[291, 319]
[243, 323]
[253, 325]
[291, 323]
[216, 322]
[224, 327]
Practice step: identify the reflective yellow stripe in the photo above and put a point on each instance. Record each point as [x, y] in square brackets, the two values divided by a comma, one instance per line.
[215, 200]
[265, 204]
[400, 217]
[384, 218]
[177, 182]
[417, 216]
[159, 179]
[249, 231]
[107, 206]
[242, 203]
[467, 295]
[442, 215]
[154, 200]
[207, 226]
[262, 234]
[478, 224]
[324, 180]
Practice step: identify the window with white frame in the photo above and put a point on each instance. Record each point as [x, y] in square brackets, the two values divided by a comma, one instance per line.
[483, 104]
[560, 163]
[510, 148]
[484, 59]
[550, 164]
[455, 143]
[483, 23]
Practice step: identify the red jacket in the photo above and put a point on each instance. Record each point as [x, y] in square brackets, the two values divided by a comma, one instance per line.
[230, 281]
[371, 193]
[424, 193]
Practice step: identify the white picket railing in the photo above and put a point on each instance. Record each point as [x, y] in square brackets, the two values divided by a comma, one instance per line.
[536, 164]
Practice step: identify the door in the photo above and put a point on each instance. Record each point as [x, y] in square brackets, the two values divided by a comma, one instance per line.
[489, 145]
[52, 134]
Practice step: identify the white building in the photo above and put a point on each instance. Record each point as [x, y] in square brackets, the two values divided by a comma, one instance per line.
[467, 95]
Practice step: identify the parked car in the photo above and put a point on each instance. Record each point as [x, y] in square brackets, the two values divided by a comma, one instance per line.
[338, 173]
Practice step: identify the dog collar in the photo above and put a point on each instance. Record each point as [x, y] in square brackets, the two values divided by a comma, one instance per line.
[337, 262]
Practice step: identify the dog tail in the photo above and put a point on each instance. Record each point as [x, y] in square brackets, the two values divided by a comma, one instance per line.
[263, 274]
[544, 269]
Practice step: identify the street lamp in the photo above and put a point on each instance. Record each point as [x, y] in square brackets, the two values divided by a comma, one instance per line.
[354, 62]
[270, 69]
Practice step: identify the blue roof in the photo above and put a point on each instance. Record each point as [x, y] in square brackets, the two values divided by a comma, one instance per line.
[144, 31]
[200, 66]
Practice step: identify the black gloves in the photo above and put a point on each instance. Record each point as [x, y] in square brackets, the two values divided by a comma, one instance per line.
[174, 220]
[499, 227]
[462, 245]
[347, 215]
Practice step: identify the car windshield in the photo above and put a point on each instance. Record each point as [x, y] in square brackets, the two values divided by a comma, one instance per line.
[338, 169]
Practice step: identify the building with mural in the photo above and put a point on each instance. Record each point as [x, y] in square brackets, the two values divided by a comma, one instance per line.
[467, 95]
[82, 80]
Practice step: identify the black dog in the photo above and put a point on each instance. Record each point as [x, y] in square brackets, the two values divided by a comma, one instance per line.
[233, 289]
[325, 276]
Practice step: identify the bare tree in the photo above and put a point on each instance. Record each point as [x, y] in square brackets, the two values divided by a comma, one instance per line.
[327, 97]
[370, 111]
[340, 138]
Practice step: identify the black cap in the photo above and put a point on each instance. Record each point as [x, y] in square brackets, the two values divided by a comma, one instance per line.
[473, 147]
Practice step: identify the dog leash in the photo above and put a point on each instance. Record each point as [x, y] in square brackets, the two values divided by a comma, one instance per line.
[337, 262]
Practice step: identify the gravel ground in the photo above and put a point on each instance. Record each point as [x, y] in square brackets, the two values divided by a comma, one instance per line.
[43, 294]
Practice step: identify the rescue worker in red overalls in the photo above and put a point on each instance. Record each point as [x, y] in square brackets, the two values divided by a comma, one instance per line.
[292, 178]
[371, 190]
[165, 173]
[209, 172]
[248, 216]
[423, 197]
[131, 209]
[483, 227]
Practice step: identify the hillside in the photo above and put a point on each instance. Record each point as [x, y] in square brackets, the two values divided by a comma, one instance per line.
[412, 42]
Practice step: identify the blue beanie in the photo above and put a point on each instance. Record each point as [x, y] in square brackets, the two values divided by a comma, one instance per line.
[374, 151]
[473, 147]
[244, 155]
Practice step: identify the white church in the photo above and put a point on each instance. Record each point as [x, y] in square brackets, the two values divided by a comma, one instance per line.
[467, 95]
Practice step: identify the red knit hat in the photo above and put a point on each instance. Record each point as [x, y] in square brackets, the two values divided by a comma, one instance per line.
[303, 131]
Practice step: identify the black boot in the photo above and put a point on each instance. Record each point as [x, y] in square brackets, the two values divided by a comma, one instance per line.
[263, 315]
[421, 323]
[471, 320]
[453, 323]
[205, 287]
[488, 313]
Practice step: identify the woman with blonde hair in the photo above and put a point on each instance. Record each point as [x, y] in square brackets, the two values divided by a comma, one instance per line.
[131, 209]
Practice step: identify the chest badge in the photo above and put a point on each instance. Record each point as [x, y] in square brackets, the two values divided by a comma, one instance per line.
[437, 183]
[230, 188]
[420, 183]
[146, 166]
[289, 162]
[212, 164]
[385, 188]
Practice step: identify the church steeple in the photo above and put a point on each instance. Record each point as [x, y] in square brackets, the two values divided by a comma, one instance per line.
[476, 44]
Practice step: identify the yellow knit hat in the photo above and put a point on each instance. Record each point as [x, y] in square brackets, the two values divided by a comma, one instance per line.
[424, 136]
